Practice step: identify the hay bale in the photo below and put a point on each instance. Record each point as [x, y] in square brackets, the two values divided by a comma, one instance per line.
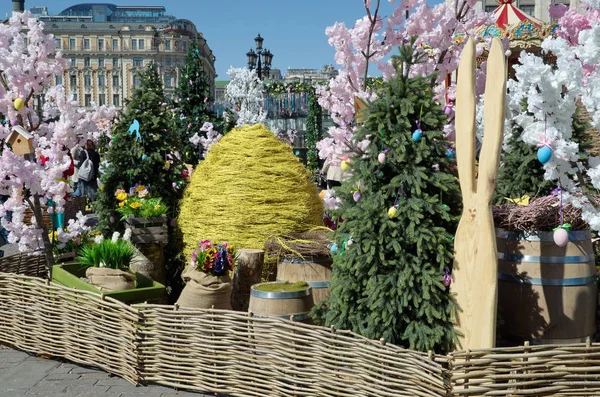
[250, 187]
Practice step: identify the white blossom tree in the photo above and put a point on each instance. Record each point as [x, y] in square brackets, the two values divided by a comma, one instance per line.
[245, 94]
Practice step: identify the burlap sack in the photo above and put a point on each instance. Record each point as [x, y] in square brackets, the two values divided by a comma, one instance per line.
[106, 279]
[204, 291]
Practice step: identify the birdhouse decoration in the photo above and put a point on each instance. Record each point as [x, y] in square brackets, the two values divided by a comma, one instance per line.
[359, 108]
[21, 141]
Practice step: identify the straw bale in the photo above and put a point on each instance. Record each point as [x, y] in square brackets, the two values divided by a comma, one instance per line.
[250, 187]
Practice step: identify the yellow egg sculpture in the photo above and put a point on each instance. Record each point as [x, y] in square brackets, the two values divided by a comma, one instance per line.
[249, 188]
[19, 103]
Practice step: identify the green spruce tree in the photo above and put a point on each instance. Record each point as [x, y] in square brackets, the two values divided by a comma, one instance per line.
[142, 151]
[389, 270]
[193, 105]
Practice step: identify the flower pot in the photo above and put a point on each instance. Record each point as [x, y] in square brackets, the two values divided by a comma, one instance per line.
[107, 279]
[72, 275]
[205, 291]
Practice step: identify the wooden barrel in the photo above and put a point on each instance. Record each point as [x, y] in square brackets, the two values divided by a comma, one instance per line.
[316, 271]
[546, 293]
[293, 305]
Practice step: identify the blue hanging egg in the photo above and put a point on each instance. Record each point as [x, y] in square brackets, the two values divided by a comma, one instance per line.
[144, 157]
[544, 154]
[333, 248]
[449, 153]
[416, 136]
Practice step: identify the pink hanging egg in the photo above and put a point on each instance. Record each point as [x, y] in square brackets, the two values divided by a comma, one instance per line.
[381, 157]
[561, 237]
[447, 280]
[356, 196]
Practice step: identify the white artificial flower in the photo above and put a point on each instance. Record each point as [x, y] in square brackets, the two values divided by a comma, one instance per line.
[115, 237]
[127, 234]
[99, 239]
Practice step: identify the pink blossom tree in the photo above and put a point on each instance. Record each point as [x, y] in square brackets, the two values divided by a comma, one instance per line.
[435, 30]
[28, 98]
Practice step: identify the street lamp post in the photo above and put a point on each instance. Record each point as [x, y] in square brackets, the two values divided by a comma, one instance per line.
[260, 59]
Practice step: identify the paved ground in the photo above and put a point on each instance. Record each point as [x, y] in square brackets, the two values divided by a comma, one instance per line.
[25, 375]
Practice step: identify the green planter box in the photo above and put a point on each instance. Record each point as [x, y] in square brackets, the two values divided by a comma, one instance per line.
[68, 275]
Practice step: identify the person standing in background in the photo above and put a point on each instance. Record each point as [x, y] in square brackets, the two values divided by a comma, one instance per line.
[88, 188]
[334, 174]
[75, 152]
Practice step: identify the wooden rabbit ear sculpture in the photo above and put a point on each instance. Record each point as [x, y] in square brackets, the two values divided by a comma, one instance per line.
[474, 274]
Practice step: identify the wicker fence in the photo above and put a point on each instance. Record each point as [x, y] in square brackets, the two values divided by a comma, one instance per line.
[229, 352]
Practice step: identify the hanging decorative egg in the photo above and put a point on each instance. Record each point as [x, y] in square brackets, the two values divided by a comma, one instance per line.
[450, 153]
[112, 219]
[349, 243]
[333, 248]
[448, 110]
[445, 207]
[392, 212]
[417, 134]
[19, 104]
[561, 237]
[544, 154]
[447, 280]
[356, 196]
[381, 157]
[144, 157]
[345, 165]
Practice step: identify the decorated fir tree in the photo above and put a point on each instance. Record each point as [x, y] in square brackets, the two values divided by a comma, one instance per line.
[142, 151]
[192, 105]
[400, 209]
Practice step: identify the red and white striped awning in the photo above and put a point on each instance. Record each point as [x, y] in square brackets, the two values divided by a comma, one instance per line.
[507, 14]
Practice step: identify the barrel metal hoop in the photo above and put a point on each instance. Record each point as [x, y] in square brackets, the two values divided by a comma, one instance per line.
[281, 295]
[545, 259]
[514, 278]
[308, 259]
[297, 316]
[576, 235]
[314, 284]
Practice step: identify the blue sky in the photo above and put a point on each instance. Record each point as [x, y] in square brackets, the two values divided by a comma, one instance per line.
[294, 30]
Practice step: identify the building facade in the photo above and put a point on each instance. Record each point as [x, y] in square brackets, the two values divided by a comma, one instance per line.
[327, 73]
[106, 45]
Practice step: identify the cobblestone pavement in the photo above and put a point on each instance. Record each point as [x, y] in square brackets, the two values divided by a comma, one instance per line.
[22, 374]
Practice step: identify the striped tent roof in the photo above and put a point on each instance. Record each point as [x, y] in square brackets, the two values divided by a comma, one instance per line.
[507, 14]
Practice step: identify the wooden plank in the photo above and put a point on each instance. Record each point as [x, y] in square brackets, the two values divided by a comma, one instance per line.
[149, 238]
[157, 230]
[145, 221]
[474, 273]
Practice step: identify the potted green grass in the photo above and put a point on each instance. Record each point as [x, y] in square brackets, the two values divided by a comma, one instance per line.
[103, 267]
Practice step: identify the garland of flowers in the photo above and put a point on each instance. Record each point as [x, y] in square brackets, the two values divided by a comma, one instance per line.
[278, 88]
[314, 131]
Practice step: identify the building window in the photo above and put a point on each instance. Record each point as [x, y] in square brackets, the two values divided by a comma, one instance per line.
[101, 100]
[168, 62]
[136, 81]
[72, 80]
[86, 62]
[141, 44]
[137, 62]
[59, 79]
[490, 8]
[529, 9]
[167, 44]
[73, 62]
[134, 44]
[115, 100]
[115, 44]
[115, 79]
[58, 43]
[101, 80]
[115, 63]
[88, 100]
[72, 44]
[87, 81]
[168, 82]
[185, 46]
[86, 44]
[75, 98]
[100, 62]
[101, 44]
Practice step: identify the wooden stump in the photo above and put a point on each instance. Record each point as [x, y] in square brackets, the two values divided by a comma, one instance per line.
[247, 272]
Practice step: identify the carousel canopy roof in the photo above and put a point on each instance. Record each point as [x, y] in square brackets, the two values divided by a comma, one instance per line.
[520, 28]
